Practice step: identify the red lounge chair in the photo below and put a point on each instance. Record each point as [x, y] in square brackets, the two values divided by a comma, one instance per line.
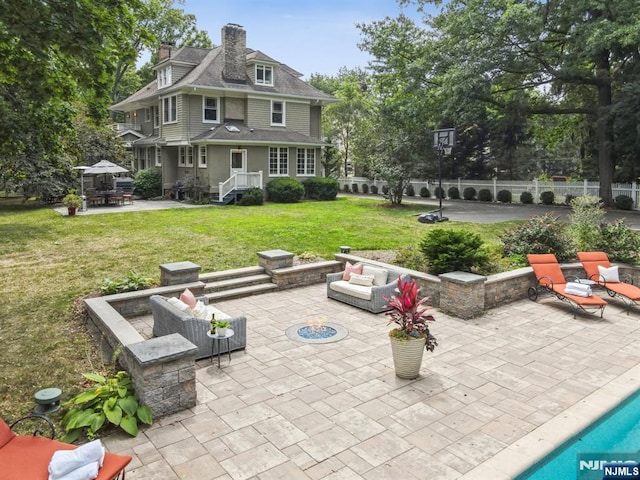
[550, 279]
[623, 289]
[27, 457]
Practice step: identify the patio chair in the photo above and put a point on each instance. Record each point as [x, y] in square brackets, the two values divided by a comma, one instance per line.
[600, 271]
[25, 457]
[550, 279]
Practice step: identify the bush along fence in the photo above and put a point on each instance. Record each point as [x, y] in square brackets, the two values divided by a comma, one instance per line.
[626, 195]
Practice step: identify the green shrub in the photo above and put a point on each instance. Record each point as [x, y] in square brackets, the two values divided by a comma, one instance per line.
[540, 234]
[485, 195]
[623, 202]
[253, 196]
[585, 220]
[365, 188]
[148, 183]
[354, 188]
[454, 193]
[345, 188]
[130, 283]
[410, 191]
[385, 189]
[621, 243]
[526, 198]
[504, 196]
[321, 188]
[424, 192]
[452, 250]
[412, 258]
[547, 198]
[374, 189]
[285, 190]
[469, 193]
[439, 192]
[108, 399]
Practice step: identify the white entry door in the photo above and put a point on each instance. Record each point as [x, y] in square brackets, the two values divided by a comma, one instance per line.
[238, 161]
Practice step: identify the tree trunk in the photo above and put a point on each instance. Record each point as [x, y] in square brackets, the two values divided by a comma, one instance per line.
[604, 130]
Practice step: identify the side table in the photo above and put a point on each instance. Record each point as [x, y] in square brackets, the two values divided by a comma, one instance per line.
[215, 342]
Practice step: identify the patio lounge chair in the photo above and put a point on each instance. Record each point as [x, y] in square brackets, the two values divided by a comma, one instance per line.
[550, 279]
[606, 276]
[27, 457]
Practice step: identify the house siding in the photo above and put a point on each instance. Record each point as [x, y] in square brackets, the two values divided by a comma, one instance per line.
[258, 113]
[178, 72]
[298, 117]
[315, 122]
[234, 108]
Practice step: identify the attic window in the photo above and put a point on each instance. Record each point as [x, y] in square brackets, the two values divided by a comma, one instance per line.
[164, 77]
[232, 128]
[264, 75]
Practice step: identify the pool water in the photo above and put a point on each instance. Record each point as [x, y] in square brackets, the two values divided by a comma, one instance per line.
[618, 430]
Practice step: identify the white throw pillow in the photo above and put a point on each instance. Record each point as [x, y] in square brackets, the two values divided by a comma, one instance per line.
[201, 311]
[609, 275]
[363, 280]
[379, 274]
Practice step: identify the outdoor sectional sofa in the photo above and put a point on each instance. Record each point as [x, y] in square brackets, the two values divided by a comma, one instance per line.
[357, 292]
[167, 319]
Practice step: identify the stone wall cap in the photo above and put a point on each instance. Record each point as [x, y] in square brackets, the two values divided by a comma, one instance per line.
[162, 349]
[275, 254]
[463, 277]
[179, 266]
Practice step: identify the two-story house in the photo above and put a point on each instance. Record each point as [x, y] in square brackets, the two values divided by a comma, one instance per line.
[230, 117]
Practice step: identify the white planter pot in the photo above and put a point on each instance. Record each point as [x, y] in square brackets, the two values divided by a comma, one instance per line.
[407, 356]
[221, 331]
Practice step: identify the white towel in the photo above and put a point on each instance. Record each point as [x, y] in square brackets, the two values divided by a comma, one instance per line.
[86, 472]
[65, 461]
[578, 289]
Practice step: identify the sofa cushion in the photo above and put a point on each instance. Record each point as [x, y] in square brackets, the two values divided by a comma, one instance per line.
[364, 280]
[349, 269]
[189, 298]
[380, 274]
[347, 288]
[179, 304]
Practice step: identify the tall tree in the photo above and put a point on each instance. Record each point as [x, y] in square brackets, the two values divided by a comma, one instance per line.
[572, 55]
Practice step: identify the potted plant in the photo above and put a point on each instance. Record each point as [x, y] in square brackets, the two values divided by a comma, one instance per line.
[411, 336]
[72, 201]
[219, 327]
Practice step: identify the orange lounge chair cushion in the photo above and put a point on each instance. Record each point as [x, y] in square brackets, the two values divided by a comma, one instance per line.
[590, 262]
[25, 457]
[549, 274]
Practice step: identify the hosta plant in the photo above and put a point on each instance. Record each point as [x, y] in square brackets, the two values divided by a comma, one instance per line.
[410, 314]
[107, 401]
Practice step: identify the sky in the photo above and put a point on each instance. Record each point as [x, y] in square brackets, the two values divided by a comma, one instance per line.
[309, 36]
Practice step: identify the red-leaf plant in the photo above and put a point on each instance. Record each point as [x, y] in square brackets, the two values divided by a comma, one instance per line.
[410, 314]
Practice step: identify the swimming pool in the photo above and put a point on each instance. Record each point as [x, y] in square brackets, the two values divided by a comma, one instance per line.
[618, 430]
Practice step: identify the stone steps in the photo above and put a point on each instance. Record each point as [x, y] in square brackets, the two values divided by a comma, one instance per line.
[238, 292]
[236, 283]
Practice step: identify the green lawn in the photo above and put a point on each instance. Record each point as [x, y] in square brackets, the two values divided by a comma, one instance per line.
[49, 260]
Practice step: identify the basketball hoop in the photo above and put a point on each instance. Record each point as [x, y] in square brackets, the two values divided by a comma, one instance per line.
[443, 140]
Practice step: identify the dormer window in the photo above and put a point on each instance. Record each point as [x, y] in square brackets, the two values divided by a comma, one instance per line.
[164, 77]
[264, 75]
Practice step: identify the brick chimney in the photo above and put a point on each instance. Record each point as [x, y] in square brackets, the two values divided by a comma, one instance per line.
[234, 49]
[165, 51]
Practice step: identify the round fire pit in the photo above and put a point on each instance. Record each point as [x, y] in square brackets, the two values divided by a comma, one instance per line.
[325, 333]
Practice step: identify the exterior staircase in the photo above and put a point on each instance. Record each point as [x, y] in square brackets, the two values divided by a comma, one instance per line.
[239, 282]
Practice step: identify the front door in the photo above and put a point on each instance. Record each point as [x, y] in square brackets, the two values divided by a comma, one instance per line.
[238, 161]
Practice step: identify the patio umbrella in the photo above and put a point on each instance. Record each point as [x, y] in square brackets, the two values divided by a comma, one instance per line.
[104, 166]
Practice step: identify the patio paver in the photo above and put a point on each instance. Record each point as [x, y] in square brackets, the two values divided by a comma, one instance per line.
[495, 387]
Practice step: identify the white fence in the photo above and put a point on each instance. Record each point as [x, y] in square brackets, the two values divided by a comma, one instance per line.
[535, 187]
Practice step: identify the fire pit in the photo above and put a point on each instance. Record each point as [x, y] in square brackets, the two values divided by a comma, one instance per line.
[317, 331]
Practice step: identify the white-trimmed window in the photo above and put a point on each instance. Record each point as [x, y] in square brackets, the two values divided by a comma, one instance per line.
[277, 113]
[164, 77]
[158, 157]
[189, 156]
[182, 156]
[210, 113]
[264, 75]
[306, 161]
[278, 161]
[156, 116]
[202, 156]
[147, 115]
[170, 109]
